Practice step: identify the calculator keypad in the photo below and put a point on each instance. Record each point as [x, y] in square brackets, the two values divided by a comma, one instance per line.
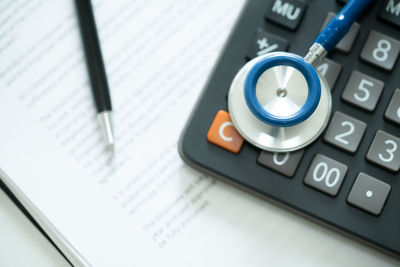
[265, 42]
[363, 91]
[381, 50]
[345, 132]
[393, 110]
[368, 193]
[326, 174]
[284, 163]
[287, 13]
[385, 151]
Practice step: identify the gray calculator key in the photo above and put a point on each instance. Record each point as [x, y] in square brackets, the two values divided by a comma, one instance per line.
[385, 151]
[330, 70]
[345, 132]
[363, 91]
[287, 13]
[381, 50]
[368, 193]
[284, 163]
[265, 42]
[347, 41]
[326, 174]
[393, 110]
[390, 12]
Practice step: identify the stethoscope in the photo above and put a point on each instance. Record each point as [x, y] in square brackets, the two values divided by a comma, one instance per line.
[278, 102]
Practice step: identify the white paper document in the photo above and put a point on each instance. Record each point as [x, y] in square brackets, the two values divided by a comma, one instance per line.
[141, 206]
[20, 237]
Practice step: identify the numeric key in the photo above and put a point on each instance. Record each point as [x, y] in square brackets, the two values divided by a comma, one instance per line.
[284, 163]
[325, 174]
[393, 110]
[345, 132]
[385, 151]
[363, 91]
[381, 50]
[330, 70]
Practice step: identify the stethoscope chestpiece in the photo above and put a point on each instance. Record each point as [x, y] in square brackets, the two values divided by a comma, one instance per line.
[282, 59]
[279, 103]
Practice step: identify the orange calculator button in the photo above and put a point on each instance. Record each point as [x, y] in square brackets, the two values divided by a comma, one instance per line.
[222, 133]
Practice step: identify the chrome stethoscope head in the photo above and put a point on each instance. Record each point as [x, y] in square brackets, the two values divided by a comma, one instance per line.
[278, 104]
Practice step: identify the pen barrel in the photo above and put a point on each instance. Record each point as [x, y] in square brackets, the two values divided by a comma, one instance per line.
[341, 23]
[94, 60]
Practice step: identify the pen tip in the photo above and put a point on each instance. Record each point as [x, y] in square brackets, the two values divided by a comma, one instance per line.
[110, 148]
[106, 127]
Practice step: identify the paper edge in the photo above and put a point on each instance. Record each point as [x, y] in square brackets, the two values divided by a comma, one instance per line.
[69, 251]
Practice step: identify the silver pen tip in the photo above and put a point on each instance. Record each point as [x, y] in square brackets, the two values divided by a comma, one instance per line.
[110, 148]
[104, 119]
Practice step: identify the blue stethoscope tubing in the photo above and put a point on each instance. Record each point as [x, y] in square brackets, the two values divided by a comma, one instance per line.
[341, 23]
[325, 41]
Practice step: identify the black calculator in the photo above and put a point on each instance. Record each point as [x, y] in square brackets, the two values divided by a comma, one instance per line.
[349, 177]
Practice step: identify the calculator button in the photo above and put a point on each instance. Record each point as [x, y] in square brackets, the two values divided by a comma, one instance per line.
[284, 163]
[330, 70]
[368, 193]
[385, 151]
[363, 91]
[347, 41]
[326, 174]
[390, 12]
[223, 134]
[345, 132]
[287, 13]
[265, 42]
[393, 110]
[381, 50]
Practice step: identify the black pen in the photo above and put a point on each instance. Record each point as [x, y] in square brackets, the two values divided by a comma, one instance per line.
[96, 68]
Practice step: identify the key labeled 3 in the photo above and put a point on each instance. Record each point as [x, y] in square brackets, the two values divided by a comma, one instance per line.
[385, 151]
[223, 134]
